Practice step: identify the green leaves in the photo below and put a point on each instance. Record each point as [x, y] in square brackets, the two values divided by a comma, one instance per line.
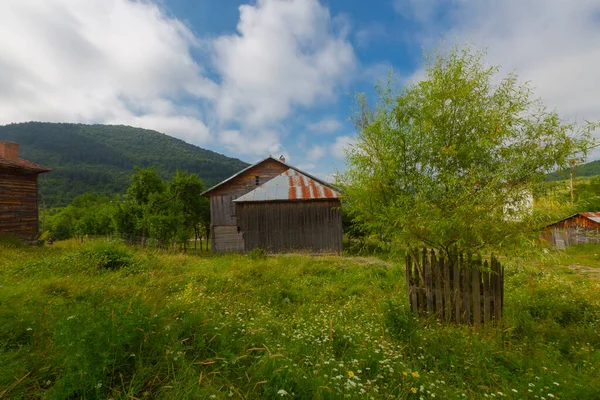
[453, 159]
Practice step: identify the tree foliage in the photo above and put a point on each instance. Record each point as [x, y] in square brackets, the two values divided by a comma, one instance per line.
[438, 162]
[169, 212]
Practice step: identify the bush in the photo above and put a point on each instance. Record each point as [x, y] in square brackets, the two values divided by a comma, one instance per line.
[109, 256]
[257, 254]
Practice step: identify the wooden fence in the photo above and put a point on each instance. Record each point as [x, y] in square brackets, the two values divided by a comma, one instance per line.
[456, 289]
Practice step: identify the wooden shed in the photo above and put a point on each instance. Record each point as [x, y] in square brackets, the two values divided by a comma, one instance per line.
[276, 207]
[583, 227]
[18, 193]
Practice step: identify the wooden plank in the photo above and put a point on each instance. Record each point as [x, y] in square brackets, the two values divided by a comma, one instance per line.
[447, 292]
[439, 304]
[428, 281]
[486, 293]
[414, 299]
[476, 288]
[407, 263]
[501, 290]
[456, 289]
[496, 291]
[466, 293]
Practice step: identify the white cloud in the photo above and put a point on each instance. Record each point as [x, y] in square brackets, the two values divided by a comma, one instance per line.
[553, 44]
[316, 153]
[129, 62]
[264, 142]
[99, 61]
[306, 167]
[327, 125]
[338, 149]
[285, 54]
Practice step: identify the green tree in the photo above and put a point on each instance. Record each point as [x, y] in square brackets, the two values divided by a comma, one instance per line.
[145, 183]
[184, 192]
[437, 163]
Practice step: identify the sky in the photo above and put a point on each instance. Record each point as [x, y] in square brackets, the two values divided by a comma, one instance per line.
[270, 77]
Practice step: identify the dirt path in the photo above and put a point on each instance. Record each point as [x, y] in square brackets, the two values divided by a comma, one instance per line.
[585, 271]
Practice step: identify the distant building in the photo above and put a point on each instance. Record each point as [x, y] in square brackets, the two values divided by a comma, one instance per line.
[583, 227]
[276, 207]
[18, 193]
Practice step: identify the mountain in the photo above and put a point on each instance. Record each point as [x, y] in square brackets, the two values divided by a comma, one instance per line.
[588, 169]
[101, 158]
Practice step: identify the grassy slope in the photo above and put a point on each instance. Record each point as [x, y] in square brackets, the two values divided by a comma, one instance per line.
[177, 326]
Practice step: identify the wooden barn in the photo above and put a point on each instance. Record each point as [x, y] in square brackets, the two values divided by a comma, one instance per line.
[18, 193]
[583, 227]
[276, 207]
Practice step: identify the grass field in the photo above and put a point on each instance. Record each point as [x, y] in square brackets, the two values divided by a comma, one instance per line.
[102, 320]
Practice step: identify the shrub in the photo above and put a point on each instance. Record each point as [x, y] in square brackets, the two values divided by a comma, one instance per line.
[257, 254]
[109, 256]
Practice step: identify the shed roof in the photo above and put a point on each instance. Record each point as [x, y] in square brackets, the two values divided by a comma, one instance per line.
[593, 216]
[290, 185]
[20, 163]
[323, 183]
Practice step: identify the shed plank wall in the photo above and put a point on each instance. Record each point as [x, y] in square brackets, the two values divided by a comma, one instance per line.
[222, 208]
[227, 239]
[18, 203]
[315, 226]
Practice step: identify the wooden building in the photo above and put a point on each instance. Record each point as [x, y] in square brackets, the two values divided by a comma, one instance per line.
[276, 207]
[18, 193]
[583, 227]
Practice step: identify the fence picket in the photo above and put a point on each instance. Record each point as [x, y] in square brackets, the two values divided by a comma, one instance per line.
[456, 297]
[476, 285]
[454, 287]
[447, 298]
[439, 304]
[486, 293]
[428, 292]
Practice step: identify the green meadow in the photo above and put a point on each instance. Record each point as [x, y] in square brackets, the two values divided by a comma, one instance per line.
[101, 320]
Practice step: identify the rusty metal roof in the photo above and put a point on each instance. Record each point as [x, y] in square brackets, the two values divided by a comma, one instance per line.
[594, 216]
[290, 185]
[23, 164]
[206, 192]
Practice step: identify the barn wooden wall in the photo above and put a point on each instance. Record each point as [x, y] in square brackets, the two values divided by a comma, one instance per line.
[18, 203]
[222, 208]
[225, 237]
[315, 225]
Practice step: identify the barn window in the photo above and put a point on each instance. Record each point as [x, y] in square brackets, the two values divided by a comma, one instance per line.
[257, 180]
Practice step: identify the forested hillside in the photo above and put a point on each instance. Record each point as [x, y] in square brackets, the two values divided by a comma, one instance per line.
[589, 169]
[100, 158]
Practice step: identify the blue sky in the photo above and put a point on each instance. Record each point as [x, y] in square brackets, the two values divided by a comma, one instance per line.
[249, 79]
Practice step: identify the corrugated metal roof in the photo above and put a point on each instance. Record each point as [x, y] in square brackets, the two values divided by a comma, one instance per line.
[260, 162]
[290, 185]
[23, 164]
[594, 216]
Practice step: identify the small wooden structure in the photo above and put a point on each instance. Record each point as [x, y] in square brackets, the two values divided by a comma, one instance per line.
[583, 227]
[276, 207]
[459, 289]
[18, 193]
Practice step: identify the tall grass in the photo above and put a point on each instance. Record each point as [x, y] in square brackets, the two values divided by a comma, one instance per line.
[102, 320]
